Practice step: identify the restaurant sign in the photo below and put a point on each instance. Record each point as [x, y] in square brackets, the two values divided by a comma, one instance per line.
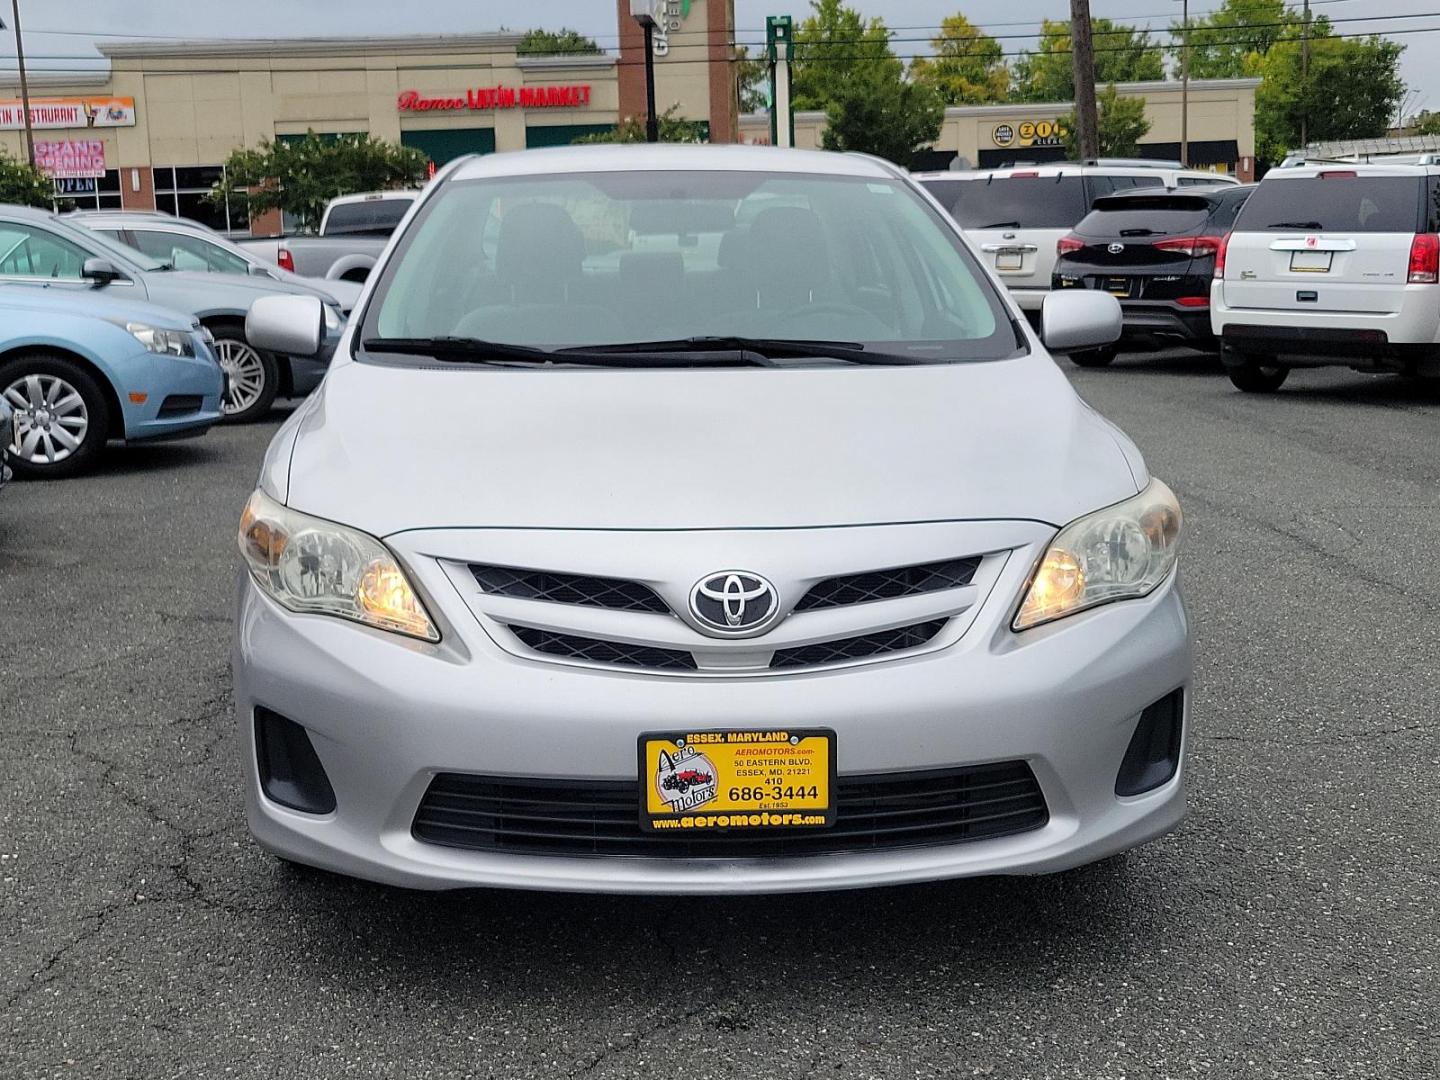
[487, 98]
[68, 112]
[66, 159]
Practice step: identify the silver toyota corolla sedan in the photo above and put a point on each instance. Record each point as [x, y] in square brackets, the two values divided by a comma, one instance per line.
[702, 520]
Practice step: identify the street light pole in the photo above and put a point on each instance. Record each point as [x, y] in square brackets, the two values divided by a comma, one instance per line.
[1083, 59]
[1185, 84]
[1305, 80]
[643, 11]
[24, 83]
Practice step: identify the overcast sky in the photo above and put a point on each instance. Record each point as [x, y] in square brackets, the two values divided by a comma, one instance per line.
[83, 20]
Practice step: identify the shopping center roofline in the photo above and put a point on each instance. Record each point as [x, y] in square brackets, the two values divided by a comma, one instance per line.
[310, 46]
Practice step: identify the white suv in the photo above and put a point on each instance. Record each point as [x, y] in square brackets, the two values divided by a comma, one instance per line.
[1331, 264]
[1016, 216]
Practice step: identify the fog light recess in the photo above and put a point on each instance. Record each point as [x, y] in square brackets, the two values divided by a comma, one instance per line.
[1154, 751]
[290, 770]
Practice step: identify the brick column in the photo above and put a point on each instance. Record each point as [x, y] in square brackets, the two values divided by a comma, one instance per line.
[630, 71]
[144, 199]
[720, 32]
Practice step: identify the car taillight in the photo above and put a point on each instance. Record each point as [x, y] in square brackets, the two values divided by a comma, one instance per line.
[1067, 244]
[1425, 259]
[285, 259]
[1194, 246]
[1193, 301]
[1024, 176]
[1220, 255]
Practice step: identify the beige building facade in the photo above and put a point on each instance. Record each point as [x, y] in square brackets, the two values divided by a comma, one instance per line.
[1221, 122]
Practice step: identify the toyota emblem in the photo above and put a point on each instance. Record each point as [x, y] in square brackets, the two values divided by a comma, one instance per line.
[1115, 249]
[733, 603]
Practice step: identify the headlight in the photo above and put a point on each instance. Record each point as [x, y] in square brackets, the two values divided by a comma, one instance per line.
[1118, 553]
[315, 566]
[164, 342]
[333, 318]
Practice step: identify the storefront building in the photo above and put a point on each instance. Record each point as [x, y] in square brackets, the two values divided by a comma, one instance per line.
[1221, 135]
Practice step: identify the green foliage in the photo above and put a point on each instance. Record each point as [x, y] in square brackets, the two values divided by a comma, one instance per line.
[562, 42]
[300, 176]
[22, 185]
[1427, 123]
[1223, 44]
[752, 78]
[877, 112]
[834, 49]
[1122, 54]
[632, 130]
[1352, 91]
[968, 67]
[1120, 121]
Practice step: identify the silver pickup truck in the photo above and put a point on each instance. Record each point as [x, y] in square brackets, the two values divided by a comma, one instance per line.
[353, 231]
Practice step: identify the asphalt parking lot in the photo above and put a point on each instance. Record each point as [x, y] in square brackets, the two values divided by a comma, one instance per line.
[1288, 930]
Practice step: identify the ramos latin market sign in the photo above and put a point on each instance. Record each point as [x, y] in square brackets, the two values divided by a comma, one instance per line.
[489, 98]
[68, 112]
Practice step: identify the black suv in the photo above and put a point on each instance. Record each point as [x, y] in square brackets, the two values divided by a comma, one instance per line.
[1155, 251]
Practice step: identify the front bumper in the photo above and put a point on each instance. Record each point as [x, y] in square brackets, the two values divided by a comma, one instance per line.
[386, 714]
[1164, 319]
[179, 396]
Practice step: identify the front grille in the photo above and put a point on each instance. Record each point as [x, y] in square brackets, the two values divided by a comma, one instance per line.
[889, 584]
[575, 647]
[179, 405]
[857, 648]
[601, 817]
[612, 593]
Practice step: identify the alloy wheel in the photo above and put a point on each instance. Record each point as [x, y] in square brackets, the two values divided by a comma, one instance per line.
[246, 371]
[51, 419]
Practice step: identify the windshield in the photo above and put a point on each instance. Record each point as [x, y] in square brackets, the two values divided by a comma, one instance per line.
[1338, 203]
[566, 261]
[1022, 202]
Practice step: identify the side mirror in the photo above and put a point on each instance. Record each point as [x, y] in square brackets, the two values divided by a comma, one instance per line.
[259, 270]
[1074, 319]
[291, 325]
[101, 271]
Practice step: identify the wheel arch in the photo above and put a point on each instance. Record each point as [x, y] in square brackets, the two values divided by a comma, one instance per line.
[115, 413]
[237, 322]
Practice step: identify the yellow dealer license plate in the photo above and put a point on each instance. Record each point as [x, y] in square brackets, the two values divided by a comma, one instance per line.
[737, 780]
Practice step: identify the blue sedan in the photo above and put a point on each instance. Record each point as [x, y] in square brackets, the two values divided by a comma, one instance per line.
[79, 369]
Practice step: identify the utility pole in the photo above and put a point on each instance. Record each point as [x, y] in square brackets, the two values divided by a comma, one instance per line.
[24, 84]
[1083, 57]
[1305, 80]
[1185, 83]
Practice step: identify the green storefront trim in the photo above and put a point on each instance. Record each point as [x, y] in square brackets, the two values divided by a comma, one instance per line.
[562, 134]
[444, 144]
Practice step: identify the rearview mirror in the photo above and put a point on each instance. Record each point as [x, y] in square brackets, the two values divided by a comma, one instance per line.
[100, 271]
[1080, 319]
[292, 325]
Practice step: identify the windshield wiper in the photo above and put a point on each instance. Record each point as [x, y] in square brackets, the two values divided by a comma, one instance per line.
[850, 352]
[1295, 225]
[468, 350]
[1000, 225]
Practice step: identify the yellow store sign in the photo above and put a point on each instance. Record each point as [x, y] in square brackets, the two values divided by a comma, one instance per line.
[1029, 133]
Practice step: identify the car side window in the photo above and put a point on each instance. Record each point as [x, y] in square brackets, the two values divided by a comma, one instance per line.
[185, 252]
[29, 252]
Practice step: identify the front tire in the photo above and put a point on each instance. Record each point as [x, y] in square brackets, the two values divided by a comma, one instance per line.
[1095, 358]
[61, 419]
[254, 377]
[1257, 375]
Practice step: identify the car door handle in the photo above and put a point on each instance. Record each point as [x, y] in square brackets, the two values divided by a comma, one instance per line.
[1008, 247]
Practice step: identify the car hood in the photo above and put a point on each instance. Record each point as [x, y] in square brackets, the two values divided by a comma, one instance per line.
[90, 302]
[203, 282]
[388, 448]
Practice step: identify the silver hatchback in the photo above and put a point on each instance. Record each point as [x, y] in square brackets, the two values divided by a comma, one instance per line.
[700, 519]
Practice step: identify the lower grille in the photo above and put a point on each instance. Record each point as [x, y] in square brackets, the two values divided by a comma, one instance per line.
[574, 647]
[612, 593]
[179, 405]
[601, 817]
[857, 648]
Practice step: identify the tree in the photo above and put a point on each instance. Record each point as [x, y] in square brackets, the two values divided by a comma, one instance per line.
[632, 130]
[556, 43]
[1122, 125]
[300, 176]
[1122, 54]
[1352, 92]
[23, 185]
[752, 81]
[835, 47]
[1426, 123]
[968, 67]
[1223, 44]
[878, 112]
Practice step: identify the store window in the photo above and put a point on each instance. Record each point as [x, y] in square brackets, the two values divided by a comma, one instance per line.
[183, 191]
[89, 192]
